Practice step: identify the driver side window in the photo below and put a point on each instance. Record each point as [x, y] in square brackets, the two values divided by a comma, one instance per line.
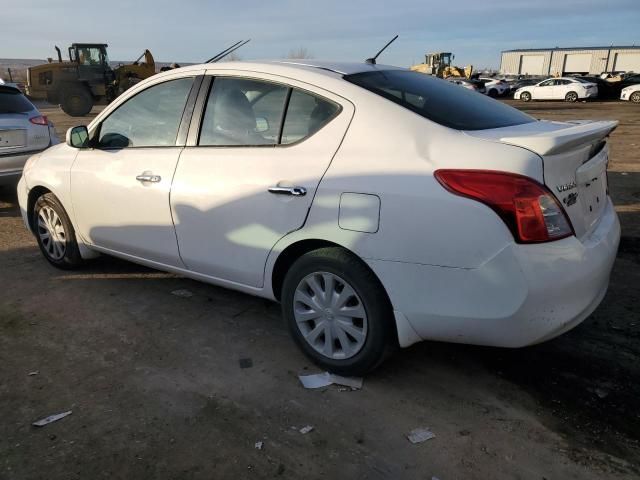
[547, 83]
[149, 119]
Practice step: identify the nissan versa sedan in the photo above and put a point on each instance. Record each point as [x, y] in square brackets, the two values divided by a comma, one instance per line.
[379, 206]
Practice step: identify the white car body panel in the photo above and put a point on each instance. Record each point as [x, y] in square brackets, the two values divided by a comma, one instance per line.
[449, 264]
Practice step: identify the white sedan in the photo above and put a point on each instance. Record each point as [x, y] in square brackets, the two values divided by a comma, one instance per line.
[564, 88]
[631, 93]
[495, 87]
[23, 132]
[379, 206]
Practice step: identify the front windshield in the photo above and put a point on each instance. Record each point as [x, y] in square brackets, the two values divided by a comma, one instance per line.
[92, 56]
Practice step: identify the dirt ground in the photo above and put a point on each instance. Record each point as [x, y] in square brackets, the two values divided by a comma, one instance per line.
[157, 391]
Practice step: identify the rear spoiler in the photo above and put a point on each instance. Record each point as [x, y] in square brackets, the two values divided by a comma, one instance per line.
[549, 143]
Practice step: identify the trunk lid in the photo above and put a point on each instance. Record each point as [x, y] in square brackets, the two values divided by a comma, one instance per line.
[575, 157]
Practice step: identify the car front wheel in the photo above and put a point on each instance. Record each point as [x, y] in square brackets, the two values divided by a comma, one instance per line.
[525, 96]
[635, 97]
[55, 234]
[337, 311]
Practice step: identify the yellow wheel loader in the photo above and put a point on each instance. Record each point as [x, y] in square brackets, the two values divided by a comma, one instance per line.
[439, 65]
[86, 79]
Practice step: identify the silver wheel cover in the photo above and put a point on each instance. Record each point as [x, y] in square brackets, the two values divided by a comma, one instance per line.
[51, 233]
[330, 315]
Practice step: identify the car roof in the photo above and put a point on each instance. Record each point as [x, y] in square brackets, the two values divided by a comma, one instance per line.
[322, 67]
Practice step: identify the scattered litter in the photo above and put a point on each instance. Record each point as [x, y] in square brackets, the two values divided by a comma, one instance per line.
[325, 379]
[35, 372]
[420, 435]
[305, 430]
[601, 392]
[50, 419]
[184, 293]
[246, 363]
[259, 445]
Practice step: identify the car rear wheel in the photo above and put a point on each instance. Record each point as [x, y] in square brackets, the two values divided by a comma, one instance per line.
[571, 97]
[525, 96]
[337, 311]
[55, 234]
[635, 97]
[76, 101]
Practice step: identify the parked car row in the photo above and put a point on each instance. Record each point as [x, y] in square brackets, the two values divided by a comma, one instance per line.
[489, 86]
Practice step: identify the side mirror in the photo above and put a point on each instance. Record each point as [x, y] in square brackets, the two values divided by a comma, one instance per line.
[262, 124]
[78, 137]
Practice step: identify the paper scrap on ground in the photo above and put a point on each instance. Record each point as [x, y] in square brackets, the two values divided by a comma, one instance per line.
[325, 379]
[420, 435]
[50, 419]
[35, 372]
[259, 445]
[305, 430]
[182, 293]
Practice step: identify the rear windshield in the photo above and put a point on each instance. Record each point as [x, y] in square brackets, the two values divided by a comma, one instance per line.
[12, 101]
[440, 101]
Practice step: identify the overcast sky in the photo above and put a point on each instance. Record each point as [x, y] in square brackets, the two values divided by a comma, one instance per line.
[194, 30]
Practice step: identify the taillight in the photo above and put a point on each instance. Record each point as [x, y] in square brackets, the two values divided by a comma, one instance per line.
[39, 120]
[528, 208]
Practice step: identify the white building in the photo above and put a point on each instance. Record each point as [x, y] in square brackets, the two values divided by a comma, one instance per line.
[563, 61]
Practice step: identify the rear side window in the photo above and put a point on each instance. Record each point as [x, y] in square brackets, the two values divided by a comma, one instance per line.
[247, 112]
[149, 119]
[440, 101]
[12, 101]
[306, 115]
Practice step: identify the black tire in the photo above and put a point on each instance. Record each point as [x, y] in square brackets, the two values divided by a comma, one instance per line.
[493, 93]
[635, 97]
[525, 96]
[380, 338]
[71, 258]
[571, 97]
[76, 101]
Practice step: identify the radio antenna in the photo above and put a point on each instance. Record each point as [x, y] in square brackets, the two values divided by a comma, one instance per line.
[227, 51]
[372, 60]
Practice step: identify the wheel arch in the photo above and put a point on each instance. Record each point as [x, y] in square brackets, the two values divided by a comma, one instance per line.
[34, 194]
[296, 249]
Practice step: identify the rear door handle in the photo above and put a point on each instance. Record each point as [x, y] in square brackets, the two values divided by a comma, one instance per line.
[295, 191]
[148, 178]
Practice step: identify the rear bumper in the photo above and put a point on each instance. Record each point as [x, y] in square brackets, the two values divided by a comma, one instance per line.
[590, 94]
[11, 165]
[524, 295]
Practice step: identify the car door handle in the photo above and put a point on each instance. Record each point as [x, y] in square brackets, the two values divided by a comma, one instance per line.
[149, 178]
[295, 191]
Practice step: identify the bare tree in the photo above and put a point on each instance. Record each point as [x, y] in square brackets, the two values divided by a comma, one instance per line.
[300, 52]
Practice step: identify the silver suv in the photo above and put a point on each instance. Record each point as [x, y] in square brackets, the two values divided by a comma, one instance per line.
[24, 131]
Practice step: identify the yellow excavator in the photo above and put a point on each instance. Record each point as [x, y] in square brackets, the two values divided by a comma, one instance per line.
[439, 65]
[86, 79]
